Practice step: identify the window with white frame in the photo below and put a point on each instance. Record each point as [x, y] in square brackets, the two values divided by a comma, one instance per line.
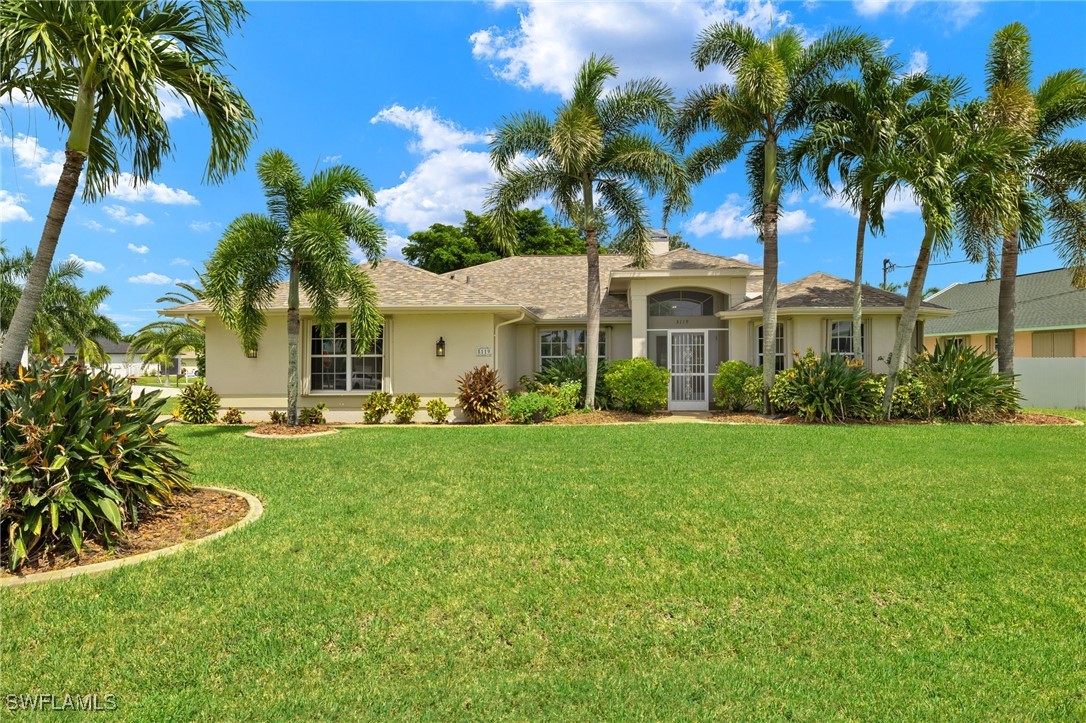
[779, 355]
[336, 364]
[557, 343]
[841, 339]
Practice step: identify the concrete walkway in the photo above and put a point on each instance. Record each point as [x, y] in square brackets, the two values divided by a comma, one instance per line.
[138, 389]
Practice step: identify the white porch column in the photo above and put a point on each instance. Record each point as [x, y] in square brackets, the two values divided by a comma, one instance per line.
[639, 312]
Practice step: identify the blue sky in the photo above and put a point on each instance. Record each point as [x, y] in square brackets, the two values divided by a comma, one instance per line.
[407, 92]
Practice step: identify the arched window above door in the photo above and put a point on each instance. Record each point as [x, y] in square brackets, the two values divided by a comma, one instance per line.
[681, 303]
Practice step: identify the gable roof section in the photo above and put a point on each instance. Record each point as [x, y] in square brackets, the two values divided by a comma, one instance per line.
[551, 287]
[1043, 300]
[821, 290]
[691, 260]
[398, 284]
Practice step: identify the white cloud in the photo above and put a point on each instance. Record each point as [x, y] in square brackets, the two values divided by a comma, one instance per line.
[332, 159]
[874, 8]
[171, 105]
[129, 190]
[41, 164]
[899, 201]
[95, 226]
[960, 13]
[138, 249]
[151, 278]
[18, 98]
[11, 208]
[178, 261]
[448, 180]
[104, 306]
[918, 62]
[120, 214]
[92, 266]
[745, 258]
[202, 226]
[731, 220]
[553, 38]
[434, 132]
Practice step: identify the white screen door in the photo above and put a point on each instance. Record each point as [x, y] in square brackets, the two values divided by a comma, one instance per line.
[686, 362]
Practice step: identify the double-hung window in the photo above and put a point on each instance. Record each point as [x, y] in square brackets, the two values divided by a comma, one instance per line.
[557, 343]
[841, 339]
[336, 364]
[779, 355]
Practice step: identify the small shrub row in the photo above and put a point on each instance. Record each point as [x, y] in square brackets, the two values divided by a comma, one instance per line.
[403, 408]
[310, 416]
[637, 385]
[546, 402]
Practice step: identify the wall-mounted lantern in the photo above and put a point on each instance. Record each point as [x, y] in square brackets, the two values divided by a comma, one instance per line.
[251, 353]
[441, 346]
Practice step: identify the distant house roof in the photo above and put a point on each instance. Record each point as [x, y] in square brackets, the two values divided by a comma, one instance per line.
[1043, 300]
[398, 284]
[109, 347]
[821, 290]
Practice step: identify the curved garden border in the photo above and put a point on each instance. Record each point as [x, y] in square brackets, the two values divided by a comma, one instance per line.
[324, 433]
[256, 509]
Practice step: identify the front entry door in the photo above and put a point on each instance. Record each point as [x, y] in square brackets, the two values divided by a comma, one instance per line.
[686, 362]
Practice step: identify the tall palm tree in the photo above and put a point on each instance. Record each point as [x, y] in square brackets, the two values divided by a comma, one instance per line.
[775, 82]
[96, 68]
[305, 236]
[952, 160]
[854, 126]
[1053, 183]
[66, 314]
[593, 161]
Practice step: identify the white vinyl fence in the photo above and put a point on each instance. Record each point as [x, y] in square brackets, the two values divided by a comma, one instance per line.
[1059, 382]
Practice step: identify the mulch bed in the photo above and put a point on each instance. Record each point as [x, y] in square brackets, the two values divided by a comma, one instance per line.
[285, 430]
[605, 417]
[192, 516]
[1035, 418]
[1026, 418]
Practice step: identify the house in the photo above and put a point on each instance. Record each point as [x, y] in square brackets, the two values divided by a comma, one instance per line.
[117, 361]
[685, 310]
[1049, 332]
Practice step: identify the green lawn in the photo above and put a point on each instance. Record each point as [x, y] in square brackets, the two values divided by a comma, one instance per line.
[650, 571]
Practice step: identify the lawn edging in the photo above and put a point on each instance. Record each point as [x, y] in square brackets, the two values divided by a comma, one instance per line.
[256, 509]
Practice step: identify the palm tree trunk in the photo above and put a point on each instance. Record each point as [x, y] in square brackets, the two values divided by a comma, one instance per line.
[19, 330]
[1008, 276]
[857, 282]
[293, 327]
[592, 333]
[770, 193]
[907, 324]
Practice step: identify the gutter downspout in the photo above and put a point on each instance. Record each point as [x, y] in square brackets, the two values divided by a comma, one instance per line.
[498, 326]
[192, 323]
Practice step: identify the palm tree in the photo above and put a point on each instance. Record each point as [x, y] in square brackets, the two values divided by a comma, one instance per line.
[855, 124]
[1053, 183]
[66, 313]
[174, 334]
[775, 81]
[305, 236]
[593, 162]
[97, 68]
[952, 160]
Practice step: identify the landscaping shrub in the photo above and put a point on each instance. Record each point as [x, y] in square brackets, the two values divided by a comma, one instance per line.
[828, 388]
[79, 458]
[571, 369]
[232, 416]
[532, 408]
[731, 385]
[638, 385]
[956, 383]
[752, 387]
[403, 410]
[481, 395]
[438, 410]
[312, 415]
[278, 417]
[198, 404]
[566, 395]
[377, 405]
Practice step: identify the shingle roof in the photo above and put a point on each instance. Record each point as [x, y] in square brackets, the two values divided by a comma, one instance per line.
[822, 290]
[690, 259]
[398, 284]
[1042, 300]
[553, 287]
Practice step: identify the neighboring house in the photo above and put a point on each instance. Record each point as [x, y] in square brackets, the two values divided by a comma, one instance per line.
[117, 357]
[1049, 336]
[685, 310]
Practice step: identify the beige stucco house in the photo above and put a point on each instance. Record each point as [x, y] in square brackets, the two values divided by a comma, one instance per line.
[685, 310]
